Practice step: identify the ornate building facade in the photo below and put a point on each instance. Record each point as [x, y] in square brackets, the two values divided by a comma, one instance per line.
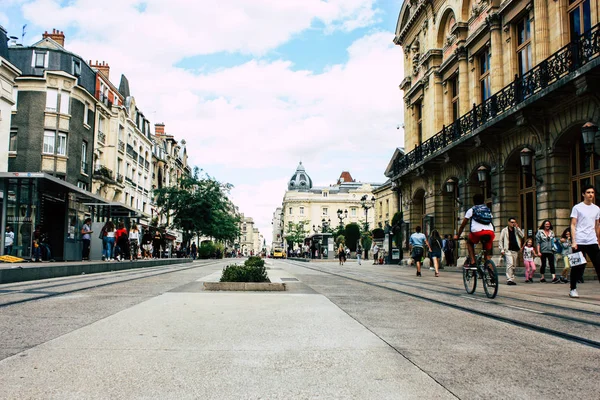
[496, 97]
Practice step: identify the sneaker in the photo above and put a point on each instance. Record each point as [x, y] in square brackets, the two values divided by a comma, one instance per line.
[542, 280]
[511, 283]
[573, 293]
[555, 280]
[431, 269]
[564, 280]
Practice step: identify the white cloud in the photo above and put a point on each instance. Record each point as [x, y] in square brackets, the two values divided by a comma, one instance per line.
[3, 19]
[257, 115]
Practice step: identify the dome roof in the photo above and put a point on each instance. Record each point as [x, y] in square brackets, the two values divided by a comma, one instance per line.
[300, 180]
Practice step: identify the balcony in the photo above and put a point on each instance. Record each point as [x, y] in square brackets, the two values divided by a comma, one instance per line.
[132, 153]
[551, 73]
[128, 180]
[147, 165]
[101, 137]
[121, 146]
[119, 178]
[102, 173]
[102, 98]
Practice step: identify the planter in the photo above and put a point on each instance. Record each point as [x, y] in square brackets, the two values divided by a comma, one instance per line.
[245, 286]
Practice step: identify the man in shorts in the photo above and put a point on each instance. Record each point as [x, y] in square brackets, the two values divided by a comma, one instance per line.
[585, 234]
[417, 243]
[481, 226]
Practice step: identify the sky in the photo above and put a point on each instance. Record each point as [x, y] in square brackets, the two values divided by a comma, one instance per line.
[253, 86]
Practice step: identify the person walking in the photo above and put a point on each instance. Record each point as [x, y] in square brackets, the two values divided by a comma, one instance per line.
[134, 242]
[341, 253]
[109, 240]
[358, 251]
[435, 250]
[194, 250]
[565, 242]
[9, 240]
[147, 244]
[122, 242]
[510, 245]
[375, 253]
[585, 231]
[86, 238]
[544, 239]
[416, 244]
[449, 250]
[156, 242]
[528, 259]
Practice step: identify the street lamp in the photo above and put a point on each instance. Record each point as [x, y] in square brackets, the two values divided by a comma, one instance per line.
[366, 204]
[342, 215]
[325, 224]
[526, 158]
[589, 132]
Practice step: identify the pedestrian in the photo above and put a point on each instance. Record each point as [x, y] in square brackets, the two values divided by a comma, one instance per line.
[147, 244]
[156, 242]
[449, 250]
[435, 250]
[341, 253]
[9, 239]
[134, 242]
[36, 244]
[358, 251]
[109, 240]
[510, 244]
[565, 242]
[375, 252]
[416, 244]
[194, 250]
[585, 230]
[122, 242]
[544, 240]
[481, 228]
[528, 259]
[86, 238]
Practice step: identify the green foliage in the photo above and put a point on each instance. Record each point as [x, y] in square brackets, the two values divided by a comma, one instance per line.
[352, 235]
[340, 231]
[366, 241]
[378, 233]
[254, 261]
[340, 239]
[296, 232]
[209, 249]
[244, 273]
[199, 206]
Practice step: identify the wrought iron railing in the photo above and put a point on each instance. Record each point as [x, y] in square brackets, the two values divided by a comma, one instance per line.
[103, 98]
[132, 153]
[121, 146]
[147, 165]
[119, 178]
[101, 137]
[560, 64]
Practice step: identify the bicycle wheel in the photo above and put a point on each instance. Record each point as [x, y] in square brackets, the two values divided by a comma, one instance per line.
[490, 279]
[470, 280]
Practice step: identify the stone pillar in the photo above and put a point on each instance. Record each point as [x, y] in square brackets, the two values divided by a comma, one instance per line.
[497, 68]
[463, 81]
[438, 103]
[541, 44]
[509, 58]
[447, 95]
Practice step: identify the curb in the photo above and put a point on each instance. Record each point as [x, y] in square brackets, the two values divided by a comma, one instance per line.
[245, 286]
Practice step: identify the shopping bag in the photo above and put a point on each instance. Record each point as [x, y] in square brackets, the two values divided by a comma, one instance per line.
[576, 259]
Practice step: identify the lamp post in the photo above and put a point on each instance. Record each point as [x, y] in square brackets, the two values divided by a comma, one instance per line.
[526, 159]
[589, 133]
[325, 224]
[366, 204]
[342, 215]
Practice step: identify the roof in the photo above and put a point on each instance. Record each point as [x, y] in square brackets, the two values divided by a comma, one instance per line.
[345, 177]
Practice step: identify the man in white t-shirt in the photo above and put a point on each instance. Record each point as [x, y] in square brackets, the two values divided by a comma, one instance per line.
[585, 235]
[481, 226]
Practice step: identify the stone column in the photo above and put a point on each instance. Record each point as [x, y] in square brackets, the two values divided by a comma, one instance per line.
[464, 103]
[493, 20]
[541, 44]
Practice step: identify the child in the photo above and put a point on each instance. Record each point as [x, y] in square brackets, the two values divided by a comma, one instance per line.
[528, 254]
[565, 241]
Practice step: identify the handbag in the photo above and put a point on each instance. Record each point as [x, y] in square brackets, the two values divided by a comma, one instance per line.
[576, 259]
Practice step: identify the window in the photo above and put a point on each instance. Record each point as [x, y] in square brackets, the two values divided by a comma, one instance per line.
[49, 142]
[524, 45]
[485, 79]
[64, 102]
[380, 208]
[290, 211]
[51, 100]
[301, 210]
[325, 194]
[61, 147]
[325, 211]
[387, 207]
[76, 67]
[39, 59]
[84, 156]
[86, 111]
[580, 17]
[15, 95]
[353, 212]
[12, 144]
[82, 185]
[419, 121]
[454, 92]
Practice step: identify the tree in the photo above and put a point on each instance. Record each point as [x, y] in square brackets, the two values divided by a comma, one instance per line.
[352, 235]
[296, 232]
[199, 206]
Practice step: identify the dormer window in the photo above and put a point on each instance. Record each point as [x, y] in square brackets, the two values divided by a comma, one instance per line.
[39, 59]
[76, 67]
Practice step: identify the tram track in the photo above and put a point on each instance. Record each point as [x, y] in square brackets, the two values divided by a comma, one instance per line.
[32, 287]
[549, 330]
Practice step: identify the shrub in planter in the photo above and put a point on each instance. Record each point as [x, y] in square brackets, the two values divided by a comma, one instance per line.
[244, 273]
[206, 250]
[254, 261]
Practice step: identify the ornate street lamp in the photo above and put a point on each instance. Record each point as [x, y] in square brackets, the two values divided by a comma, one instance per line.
[526, 159]
[589, 131]
[482, 175]
[366, 204]
[450, 185]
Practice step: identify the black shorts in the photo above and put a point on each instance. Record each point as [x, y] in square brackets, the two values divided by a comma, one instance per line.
[417, 253]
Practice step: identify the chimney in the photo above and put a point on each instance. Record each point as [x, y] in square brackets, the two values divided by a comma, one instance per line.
[102, 67]
[56, 35]
[159, 129]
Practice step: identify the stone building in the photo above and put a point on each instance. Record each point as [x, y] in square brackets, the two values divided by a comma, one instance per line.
[8, 102]
[495, 98]
[327, 207]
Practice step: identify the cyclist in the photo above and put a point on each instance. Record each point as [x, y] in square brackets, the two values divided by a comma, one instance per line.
[481, 226]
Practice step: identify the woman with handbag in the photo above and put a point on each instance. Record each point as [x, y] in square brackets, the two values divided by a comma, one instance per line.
[435, 250]
[544, 240]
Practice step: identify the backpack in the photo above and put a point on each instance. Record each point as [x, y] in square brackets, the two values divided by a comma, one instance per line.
[482, 214]
[557, 246]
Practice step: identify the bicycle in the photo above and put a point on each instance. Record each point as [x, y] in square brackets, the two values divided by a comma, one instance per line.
[483, 269]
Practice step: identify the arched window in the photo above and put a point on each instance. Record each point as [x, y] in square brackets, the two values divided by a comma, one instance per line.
[585, 170]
